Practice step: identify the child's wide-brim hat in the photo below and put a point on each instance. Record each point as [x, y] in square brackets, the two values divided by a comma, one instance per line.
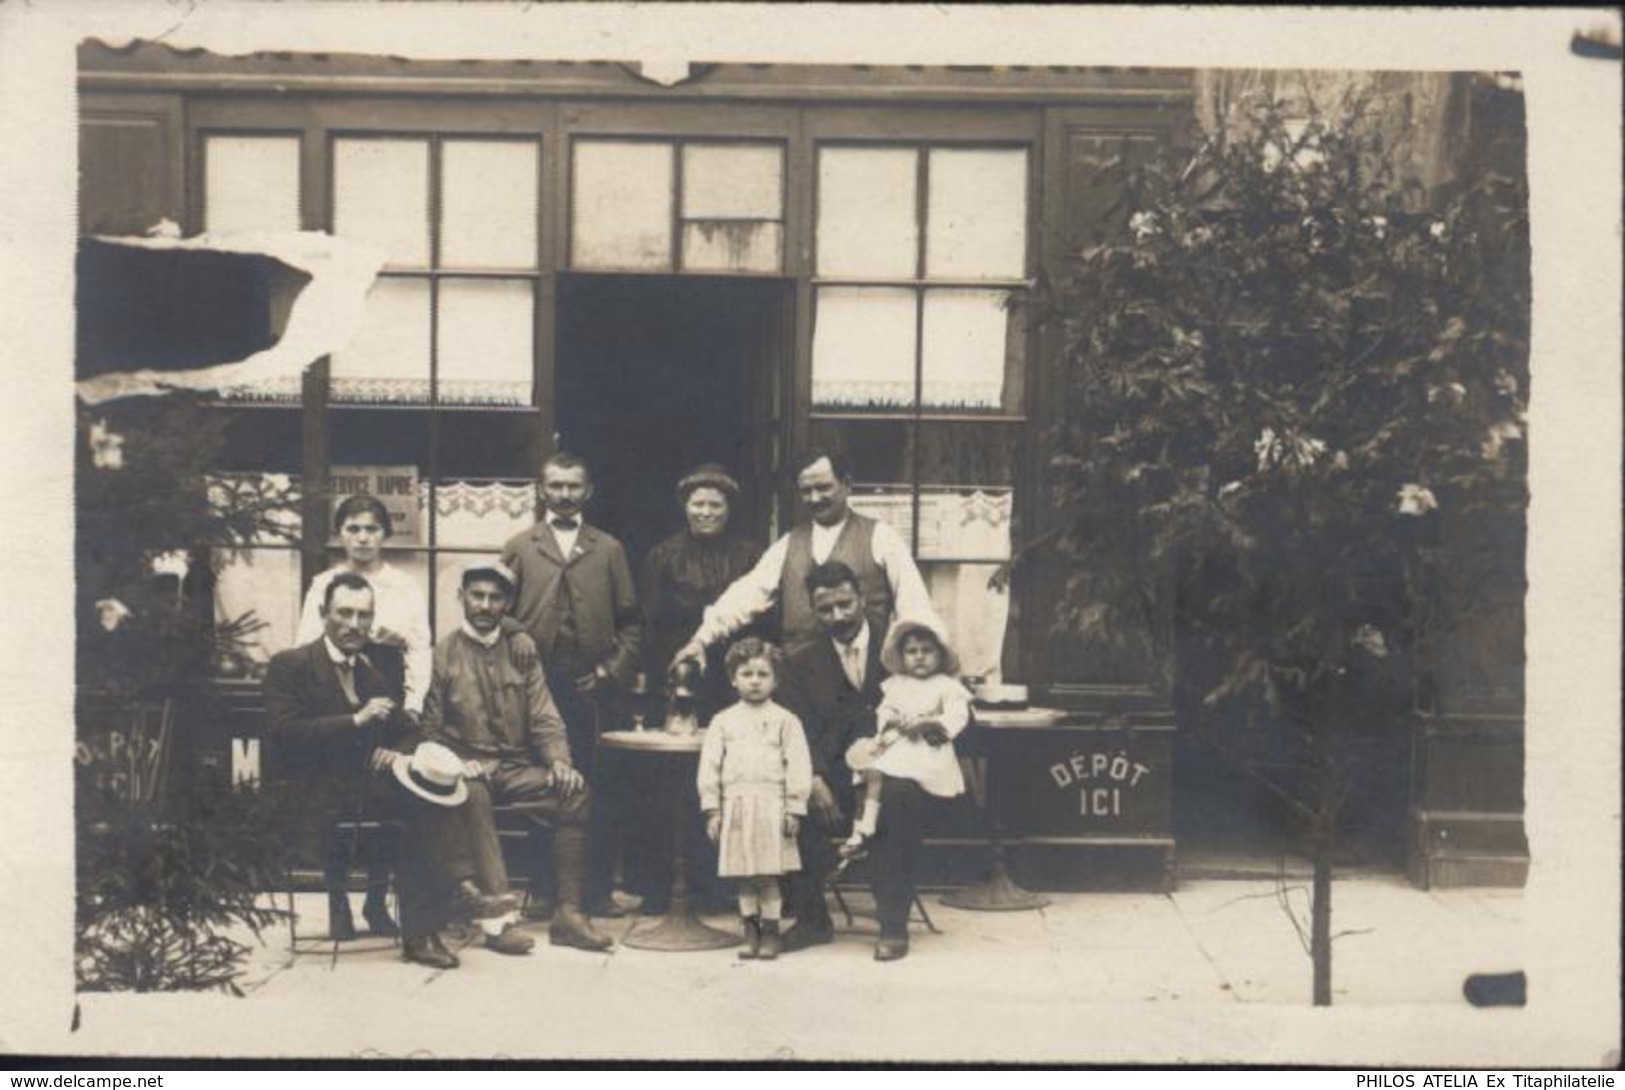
[435, 774]
[891, 652]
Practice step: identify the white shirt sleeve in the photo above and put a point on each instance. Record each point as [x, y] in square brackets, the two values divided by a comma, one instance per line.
[746, 598]
[909, 597]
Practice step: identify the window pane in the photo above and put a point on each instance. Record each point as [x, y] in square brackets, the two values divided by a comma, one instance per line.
[621, 205]
[970, 452]
[366, 437]
[971, 346]
[867, 222]
[381, 195]
[891, 504]
[488, 204]
[732, 246]
[976, 220]
[280, 526]
[733, 181]
[265, 581]
[964, 523]
[480, 514]
[881, 452]
[487, 330]
[863, 348]
[389, 358]
[489, 445]
[251, 183]
[976, 616]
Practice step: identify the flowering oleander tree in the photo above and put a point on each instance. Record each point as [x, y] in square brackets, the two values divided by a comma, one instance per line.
[168, 864]
[1283, 368]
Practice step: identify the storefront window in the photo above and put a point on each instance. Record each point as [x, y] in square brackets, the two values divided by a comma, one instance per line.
[626, 215]
[483, 352]
[449, 334]
[946, 265]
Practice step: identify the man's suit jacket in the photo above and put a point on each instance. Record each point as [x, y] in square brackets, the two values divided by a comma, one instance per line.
[312, 728]
[609, 626]
[833, 714]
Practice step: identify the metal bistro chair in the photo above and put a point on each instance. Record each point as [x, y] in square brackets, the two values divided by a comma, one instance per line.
[843, 880]
[305, 879]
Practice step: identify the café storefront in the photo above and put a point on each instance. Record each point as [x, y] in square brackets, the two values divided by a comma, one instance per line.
[729, 265]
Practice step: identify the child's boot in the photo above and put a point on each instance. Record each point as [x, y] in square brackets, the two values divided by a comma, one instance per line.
[770, 940]
[753, 937]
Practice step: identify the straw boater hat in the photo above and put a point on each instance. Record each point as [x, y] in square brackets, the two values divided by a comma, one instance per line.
[434, 773]
[709, 475]
[891, 652]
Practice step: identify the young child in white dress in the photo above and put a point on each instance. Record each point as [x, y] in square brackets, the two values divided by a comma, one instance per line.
[754, 779]
[922, 708]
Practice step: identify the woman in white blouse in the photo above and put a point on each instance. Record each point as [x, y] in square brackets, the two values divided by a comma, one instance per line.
[401, 612]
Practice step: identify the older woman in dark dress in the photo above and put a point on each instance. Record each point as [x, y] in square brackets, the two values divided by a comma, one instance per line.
[686, 572]
[681, 576]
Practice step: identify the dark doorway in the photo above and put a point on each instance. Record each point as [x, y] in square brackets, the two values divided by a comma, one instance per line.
[657, 374]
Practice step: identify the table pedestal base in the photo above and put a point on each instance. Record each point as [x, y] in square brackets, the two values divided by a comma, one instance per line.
[676, 932]
[997, 893]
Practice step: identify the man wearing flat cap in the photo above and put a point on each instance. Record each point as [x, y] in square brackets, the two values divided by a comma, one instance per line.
[489, 703]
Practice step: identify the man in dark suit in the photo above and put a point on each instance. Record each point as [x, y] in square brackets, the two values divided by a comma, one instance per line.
[334, 707]
[833, 685]
[577, 600]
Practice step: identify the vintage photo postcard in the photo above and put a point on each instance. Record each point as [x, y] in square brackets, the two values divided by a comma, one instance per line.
[813, 534]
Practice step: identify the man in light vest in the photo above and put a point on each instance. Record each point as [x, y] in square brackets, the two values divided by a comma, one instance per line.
[888, 580]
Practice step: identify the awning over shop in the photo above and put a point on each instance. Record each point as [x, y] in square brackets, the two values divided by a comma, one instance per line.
[215, 311]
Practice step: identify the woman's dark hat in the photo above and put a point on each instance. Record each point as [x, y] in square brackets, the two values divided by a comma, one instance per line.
[709, 475]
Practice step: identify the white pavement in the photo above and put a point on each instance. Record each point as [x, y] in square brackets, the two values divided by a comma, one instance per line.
[1212, 972]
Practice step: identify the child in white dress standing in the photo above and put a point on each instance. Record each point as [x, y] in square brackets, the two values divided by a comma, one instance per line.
[922, 708]
[754, 778]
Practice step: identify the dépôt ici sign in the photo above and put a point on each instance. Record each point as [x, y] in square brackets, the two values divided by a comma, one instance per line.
[1060, 783]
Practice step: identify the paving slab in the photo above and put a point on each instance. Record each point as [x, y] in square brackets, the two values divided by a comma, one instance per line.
[1212, 971]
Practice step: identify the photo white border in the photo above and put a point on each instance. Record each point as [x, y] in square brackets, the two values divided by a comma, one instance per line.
[1573, 741]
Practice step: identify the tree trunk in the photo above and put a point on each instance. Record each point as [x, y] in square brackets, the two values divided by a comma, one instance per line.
[1320, 921]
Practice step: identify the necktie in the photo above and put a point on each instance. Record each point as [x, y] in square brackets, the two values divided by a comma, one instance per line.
[346, 671]
[565, 524]
[852, 664]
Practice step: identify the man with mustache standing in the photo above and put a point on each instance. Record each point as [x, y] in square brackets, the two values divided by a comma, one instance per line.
[576, 599]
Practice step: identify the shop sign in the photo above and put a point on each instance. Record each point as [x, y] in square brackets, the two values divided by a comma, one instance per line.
[395, 486]
[1058, 782]
[122, 750]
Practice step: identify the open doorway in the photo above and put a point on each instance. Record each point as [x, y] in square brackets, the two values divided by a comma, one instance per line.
[655, 375]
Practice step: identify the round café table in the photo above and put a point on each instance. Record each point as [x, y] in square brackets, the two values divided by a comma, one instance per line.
[675, 755]
[999, 892]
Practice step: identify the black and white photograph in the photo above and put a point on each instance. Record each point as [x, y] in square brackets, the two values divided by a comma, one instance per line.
[811, 534]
